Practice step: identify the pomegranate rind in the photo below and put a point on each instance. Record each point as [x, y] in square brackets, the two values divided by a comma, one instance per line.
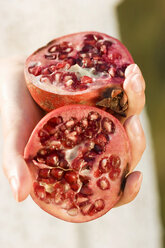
[119, 144]
[49, 100]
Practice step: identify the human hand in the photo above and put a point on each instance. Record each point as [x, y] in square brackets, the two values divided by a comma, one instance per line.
[20, 114]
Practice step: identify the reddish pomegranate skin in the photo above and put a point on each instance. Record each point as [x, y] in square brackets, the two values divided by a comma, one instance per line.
[78, 157]
[80, 68]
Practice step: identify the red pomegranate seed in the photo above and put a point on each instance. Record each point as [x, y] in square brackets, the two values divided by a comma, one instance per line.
[35, 70]
[86, 191]
[81, 200]
[85, 209]
[48, 199]
[39, 191]
[72, 211]
[101, 67]
[84, 122]
[102, 138]
[53, 49]
[50, 56]
[63, 164]
[62, 56]
[108, 126]
[71, 177]
[112, 72]
[89, 37]
[98, 148]
[93, 116]
[103, 183]
[98, 173]
[48, 181]
[52, 68]
[59, 188]
[74, 186]
[99, 204]
[44, 173]
[87, 62]
[115, 161]
[86, 48]
[58, 198]
[53, 122]
[92, 210]
[114, 174]
[70, 123]
[44, 135]
[57, 77]
[104, 165]
[57, 173]
[71, 60]
[60, 65]
[86, 80]
[47, 79]
[68, 49]
[49, 129]
[43, 152]
[46, 71]
[52, 160]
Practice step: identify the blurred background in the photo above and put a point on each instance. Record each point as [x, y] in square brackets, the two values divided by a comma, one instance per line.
[142, 28]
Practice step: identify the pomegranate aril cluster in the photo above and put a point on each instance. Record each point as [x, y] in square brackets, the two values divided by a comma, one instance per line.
[96, 56]
[67, 160]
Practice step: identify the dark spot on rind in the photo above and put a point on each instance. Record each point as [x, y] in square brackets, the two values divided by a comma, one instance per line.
[123, 179]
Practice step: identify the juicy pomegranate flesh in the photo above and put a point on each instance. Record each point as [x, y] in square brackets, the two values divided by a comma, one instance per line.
[81, 63]
[78, 157]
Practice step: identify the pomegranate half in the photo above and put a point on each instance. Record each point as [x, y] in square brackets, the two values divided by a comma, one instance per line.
[81, 68]
[78, 157]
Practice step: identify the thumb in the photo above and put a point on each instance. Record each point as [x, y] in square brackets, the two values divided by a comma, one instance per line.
[16, 170]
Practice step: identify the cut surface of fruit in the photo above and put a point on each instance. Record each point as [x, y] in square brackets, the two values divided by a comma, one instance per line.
[81, 68]
[78, 157]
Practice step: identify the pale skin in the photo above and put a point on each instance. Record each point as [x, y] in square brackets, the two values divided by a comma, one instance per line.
[20, 114]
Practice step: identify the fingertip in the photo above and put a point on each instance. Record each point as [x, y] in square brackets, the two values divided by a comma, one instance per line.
[132, 188]
[15, 187]
[19, 179]
[133, 68]
[134, 87]
[133, 184]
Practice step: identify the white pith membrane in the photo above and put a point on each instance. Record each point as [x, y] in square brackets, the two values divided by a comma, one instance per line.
[90, 203]
[99, 78]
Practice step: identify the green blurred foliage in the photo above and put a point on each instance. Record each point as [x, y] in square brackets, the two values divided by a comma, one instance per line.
[142, 28]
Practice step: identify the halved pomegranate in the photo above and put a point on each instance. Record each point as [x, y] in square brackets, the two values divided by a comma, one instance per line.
[81, 68]
[78, 156]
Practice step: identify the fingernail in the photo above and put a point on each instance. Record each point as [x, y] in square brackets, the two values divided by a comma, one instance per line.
[135, 125]
[138, 182]
[14, 187]
[136, 83]
[136, 69]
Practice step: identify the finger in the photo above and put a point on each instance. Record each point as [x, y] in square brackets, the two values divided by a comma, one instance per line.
[16, 171]
[134, 69]
[132, 187]
[136, 137]
[134, 87]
